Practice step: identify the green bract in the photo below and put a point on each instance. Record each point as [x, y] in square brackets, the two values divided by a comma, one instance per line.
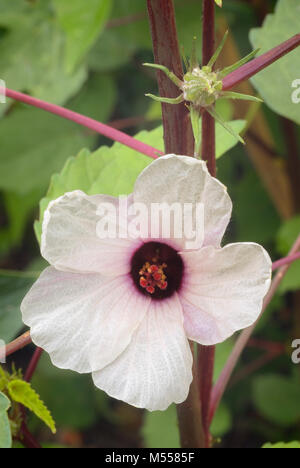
[201, 87]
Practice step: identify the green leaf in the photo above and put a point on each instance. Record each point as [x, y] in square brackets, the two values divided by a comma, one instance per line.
[31, 52]
[17, 209]
[5, 432]
[41, 148]
[73, 399]
[4, 403]
[277, 398]
[97, 98]
[254, 213]
[82, 23]
[219, 2]
[224, 124]
[224, 140]
[13, 287]
[110, 171]
[274, 83]
[161, 430]
[130, 36]
[286, 236]
[22, 392]
[281, 445]
[45, 141]
[120, 51]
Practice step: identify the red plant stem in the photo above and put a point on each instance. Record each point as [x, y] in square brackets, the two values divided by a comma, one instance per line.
[255, 366]
[259, 63]
[17, 344]
[285, 261]
[178, 139]
[220, 387]
[27, 438]
[33, 364]
[206, 360]
[178, 134]
[92, 124]
[206, 354]
[189, 416]
[208, 152]
[266, 345]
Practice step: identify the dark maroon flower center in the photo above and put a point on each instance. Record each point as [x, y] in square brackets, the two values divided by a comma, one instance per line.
[157, 270]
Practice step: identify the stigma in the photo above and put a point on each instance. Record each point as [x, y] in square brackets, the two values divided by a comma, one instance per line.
[152, 276]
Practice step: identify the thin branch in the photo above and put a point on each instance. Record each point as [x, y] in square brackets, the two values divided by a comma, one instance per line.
[27, 439]
[92, 124]
[33, 364]
[285, 261]
[255, 366]
[266, 345]
[178, 135]
[129, 122]
[264, 146]
[220, 387]
[249, 69]
[17, 344]
[125, 20]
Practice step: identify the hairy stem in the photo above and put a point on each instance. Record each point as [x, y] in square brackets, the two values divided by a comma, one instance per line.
[244, 337]
[178, 135]
[92, 124]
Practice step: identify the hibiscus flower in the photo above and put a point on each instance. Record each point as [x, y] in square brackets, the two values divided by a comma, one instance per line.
[124, 309]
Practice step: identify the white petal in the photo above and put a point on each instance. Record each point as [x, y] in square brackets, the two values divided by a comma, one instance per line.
[182, 179]
[223, 290]
[70, 241]
[83, 321]
[156, 368]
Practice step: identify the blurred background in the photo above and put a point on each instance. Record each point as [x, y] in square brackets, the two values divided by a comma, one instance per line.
[92, 63]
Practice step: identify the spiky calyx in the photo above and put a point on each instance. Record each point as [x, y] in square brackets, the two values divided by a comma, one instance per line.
[201, 87]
